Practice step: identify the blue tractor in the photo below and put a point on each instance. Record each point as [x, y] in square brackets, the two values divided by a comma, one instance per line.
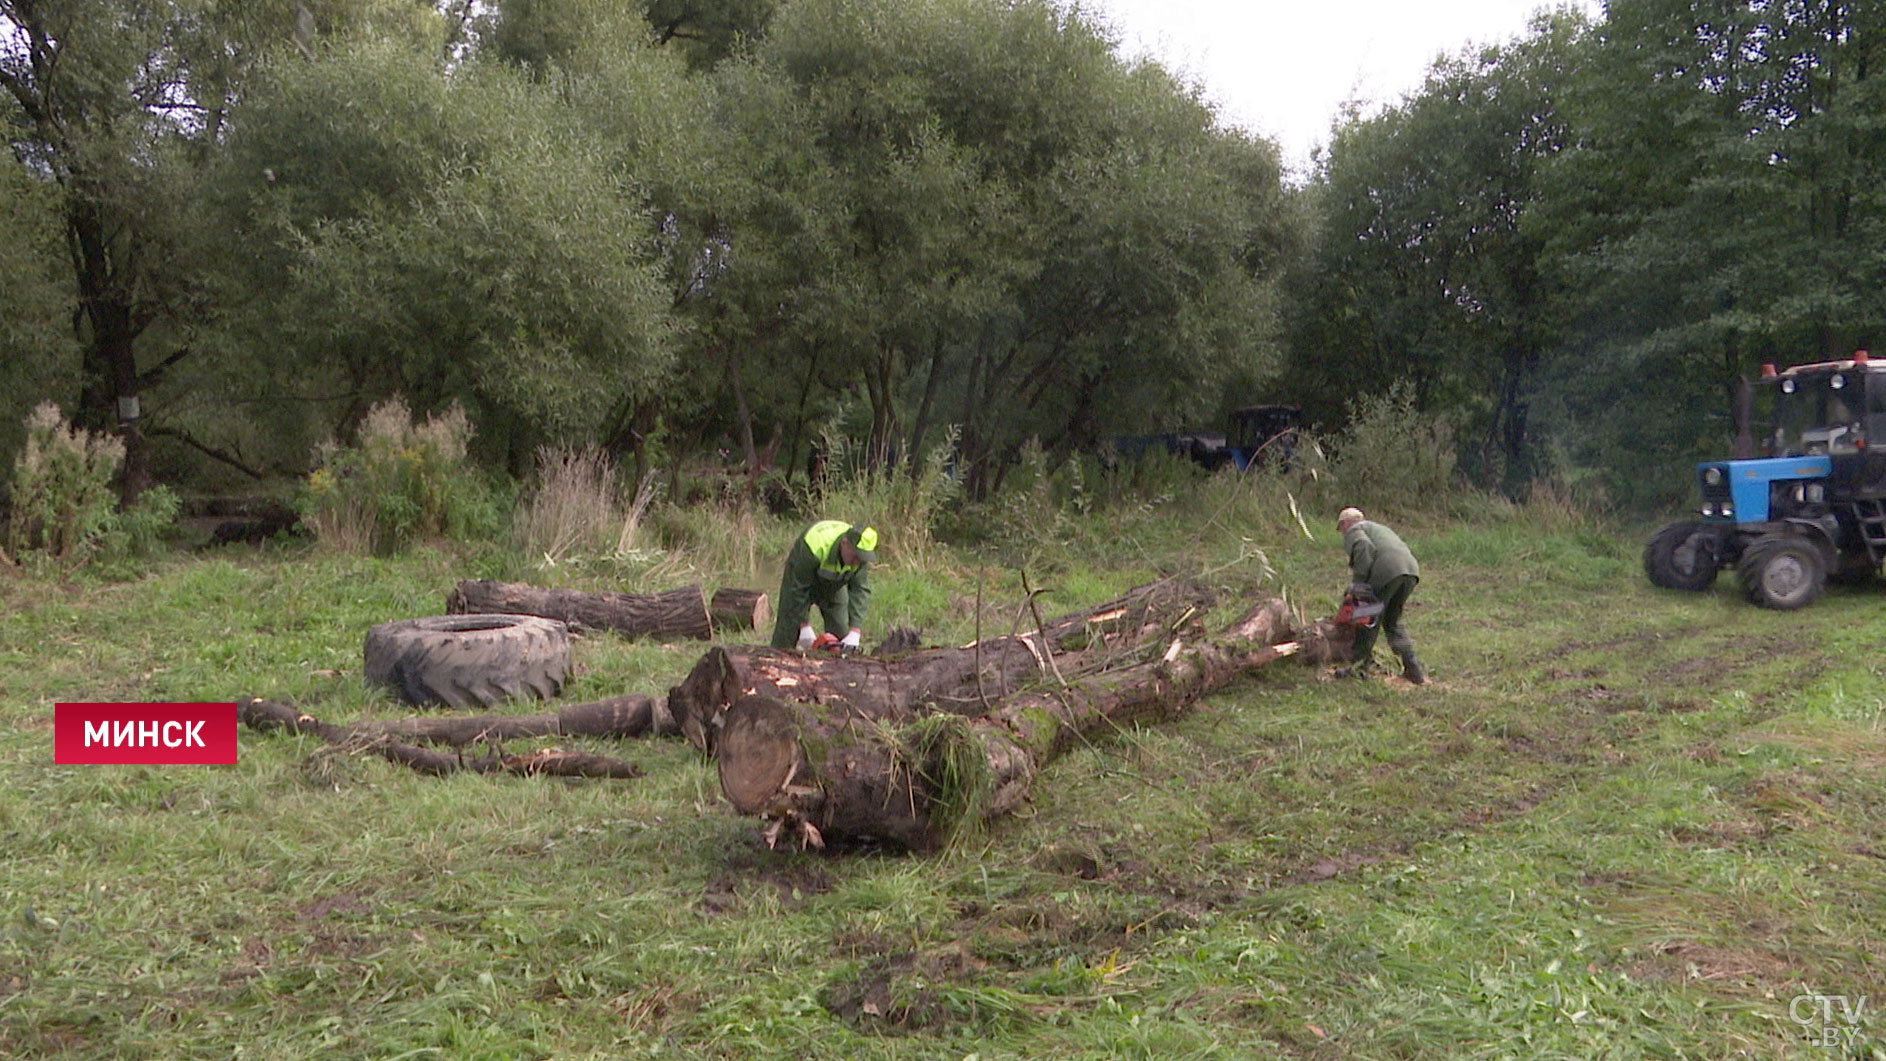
[1806, 505]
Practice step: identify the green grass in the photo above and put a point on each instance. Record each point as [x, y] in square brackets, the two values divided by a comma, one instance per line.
[1621, 823]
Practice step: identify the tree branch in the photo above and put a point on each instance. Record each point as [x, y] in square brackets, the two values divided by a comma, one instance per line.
[207, 450]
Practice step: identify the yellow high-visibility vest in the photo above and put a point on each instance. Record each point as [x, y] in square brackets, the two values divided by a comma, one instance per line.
[822, 538]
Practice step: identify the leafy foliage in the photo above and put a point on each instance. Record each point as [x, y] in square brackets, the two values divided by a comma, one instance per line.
[62, 495]
[401, 481]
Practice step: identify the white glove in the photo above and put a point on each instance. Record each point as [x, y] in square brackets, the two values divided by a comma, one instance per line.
[805, 636]
[852, 639]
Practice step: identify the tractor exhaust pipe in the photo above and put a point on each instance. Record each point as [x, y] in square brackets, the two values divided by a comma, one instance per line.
[1744, 448]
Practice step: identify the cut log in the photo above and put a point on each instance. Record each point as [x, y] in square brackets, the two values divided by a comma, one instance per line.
[824, 770]
[634, 715]
[740, 610]
[670, 615]
[961, 681]
[264, 716]
[1327, 641]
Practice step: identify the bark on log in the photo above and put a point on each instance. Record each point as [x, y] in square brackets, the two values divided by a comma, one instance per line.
[264, 716]
[961, 681]
[672, 614]
[634, 715]
[1327, 641]
[824, 770]
[740, 609]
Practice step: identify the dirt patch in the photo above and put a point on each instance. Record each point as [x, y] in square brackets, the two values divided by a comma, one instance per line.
[790, 880]
[904, 992]
[1508, 809]
[1719, 834]
[1328, 869]
[1680, 960]
[321, 909]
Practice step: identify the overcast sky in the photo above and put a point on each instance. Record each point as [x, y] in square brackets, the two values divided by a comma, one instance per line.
[1284, 68]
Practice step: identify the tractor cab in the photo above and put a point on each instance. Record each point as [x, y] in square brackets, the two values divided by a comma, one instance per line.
[1809, 507]
[1835, 409]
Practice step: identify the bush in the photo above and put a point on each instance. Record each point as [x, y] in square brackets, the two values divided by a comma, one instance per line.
[904, 507]
[400, 482]
[1392, 455]
[64, 507]
[62, 494]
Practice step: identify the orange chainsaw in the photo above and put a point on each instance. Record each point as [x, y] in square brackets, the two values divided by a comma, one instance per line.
[1359, 606]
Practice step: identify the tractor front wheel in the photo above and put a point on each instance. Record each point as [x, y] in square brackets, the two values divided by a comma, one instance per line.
[1682, 556]
[1782, 572]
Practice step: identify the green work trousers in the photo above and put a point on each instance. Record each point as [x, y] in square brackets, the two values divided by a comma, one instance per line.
[1394, 598]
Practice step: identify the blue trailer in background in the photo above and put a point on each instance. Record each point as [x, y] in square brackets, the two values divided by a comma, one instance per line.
[1256, 434]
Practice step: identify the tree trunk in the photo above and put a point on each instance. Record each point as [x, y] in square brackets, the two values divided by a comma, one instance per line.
[961, 681]
[263, 716]
[634, 715]
[826, 770]
[675, 613]
[740, 609]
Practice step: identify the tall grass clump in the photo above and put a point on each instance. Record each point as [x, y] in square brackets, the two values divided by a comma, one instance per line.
[1391, 454]
[398, 483]
[573, 506]
[903, 502]
[64, 507]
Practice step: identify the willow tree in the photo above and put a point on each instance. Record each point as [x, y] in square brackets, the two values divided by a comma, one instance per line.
[977, 212]
[447, 231]
[1428, 268]
[121, 106]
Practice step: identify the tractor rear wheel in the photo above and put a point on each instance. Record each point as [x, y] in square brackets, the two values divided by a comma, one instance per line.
[1682, 556]
[1782, 572]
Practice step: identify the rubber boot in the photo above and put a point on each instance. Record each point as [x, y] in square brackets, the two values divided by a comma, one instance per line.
[1411, 667]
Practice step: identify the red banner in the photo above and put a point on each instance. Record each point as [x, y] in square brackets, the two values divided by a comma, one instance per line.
[159, 734]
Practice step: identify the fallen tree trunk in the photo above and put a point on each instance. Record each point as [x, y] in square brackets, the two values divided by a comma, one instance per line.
[740, 609]
[634, 715]
[672, 614]
[1327, 641]
[823, 770]
[264, 716]
[960, 681]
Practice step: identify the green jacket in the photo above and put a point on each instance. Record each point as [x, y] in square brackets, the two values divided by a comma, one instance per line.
[1378, 556]
[815, 575]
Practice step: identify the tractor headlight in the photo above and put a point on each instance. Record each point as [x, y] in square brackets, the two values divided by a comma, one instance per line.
[1800, 493]
[1787, 386]
[1816, 493]
[1838, 381]
[1712, 476]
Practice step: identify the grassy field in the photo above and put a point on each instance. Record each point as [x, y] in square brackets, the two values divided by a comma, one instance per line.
[1620, 823]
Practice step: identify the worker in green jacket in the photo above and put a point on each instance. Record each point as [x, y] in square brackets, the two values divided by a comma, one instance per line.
[829, 566]
[1379, 557]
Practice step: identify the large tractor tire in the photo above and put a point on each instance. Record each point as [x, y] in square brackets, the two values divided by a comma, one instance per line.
[1682, 556]
[1782, 572]
[473, 660]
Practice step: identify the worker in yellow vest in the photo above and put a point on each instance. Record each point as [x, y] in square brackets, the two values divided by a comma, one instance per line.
[829, 566]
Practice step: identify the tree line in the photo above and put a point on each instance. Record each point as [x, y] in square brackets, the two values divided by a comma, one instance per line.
[231, 229]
